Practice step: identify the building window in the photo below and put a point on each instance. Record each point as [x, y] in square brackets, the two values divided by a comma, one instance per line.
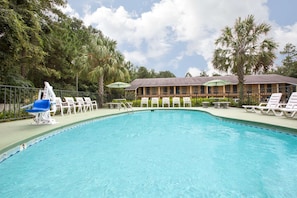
[177, 90]
[165, 90]
[147, 91]
[184, 90]
[195, 90]
[249, 89]
[269, 88]
[202, 90]
[262, 88]
[234, 88]
[154, 91]
[227, 89]
[140, 91]
[215, 89]
[209, 90]
[171, 90]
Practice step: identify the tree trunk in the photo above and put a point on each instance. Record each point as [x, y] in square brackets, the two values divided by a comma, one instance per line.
[101, 91]
[240, 74]
[23, 67]
[76, 84]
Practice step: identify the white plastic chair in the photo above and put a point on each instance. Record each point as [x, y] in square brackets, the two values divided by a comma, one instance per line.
[60, 105]
[92, 103]
[81, 103]
[155, 101]
[144, 101]
[73, 105]
[187, 101]
[175, 101]
[165, 101]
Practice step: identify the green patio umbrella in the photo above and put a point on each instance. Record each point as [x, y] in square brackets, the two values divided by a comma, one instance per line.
[118, 85]
[216, 82]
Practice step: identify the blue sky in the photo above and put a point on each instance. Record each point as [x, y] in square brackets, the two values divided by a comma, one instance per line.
[179, 35]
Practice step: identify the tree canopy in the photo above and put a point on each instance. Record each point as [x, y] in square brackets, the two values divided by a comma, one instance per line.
[289, 67]
[38, 42]
[244, 49]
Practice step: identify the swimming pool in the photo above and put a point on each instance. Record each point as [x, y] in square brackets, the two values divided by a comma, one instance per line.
[161, 153]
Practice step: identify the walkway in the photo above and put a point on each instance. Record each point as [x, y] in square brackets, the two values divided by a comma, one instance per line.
[17, 132]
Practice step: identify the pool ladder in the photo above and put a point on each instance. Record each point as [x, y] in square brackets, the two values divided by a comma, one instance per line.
[127, 106]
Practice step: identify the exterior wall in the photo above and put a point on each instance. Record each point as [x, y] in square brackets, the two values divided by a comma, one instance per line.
[255, 92]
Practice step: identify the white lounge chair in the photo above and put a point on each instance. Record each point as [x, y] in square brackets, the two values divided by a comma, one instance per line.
[290, 109]
[92, 103]
[175, 101]
[187, 101]
[155, 101]
[273, 102]
[165, 101]
[144, 101]
[60, 105]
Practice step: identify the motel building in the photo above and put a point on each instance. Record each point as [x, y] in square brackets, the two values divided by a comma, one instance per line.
[257, 88]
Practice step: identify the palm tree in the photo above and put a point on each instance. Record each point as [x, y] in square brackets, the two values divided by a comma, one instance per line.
[244, 49]
[106, 64]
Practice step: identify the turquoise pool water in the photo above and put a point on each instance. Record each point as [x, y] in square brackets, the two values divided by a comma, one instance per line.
[161, 153]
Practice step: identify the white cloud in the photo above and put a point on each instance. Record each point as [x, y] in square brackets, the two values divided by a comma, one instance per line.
[284, 35]
[69, 11]
[135, 56]
[194, 71]
[153, 35]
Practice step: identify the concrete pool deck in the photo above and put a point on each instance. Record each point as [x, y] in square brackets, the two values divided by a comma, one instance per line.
[15, 133]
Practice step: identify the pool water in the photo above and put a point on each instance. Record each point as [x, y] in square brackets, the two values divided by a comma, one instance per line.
[161, 153]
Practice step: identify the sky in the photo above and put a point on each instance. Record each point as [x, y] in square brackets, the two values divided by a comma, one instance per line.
[179, 35]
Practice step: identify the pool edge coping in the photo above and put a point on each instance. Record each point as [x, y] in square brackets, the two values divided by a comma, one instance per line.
[15, 147]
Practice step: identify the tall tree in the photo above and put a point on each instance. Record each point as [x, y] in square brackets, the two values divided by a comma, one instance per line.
[106, 64]
[244, 49]
[21, 29]
[143, 72]
[166, 74]
[289, 67]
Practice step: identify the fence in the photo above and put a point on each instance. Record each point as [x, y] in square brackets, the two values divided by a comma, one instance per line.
[12, 98]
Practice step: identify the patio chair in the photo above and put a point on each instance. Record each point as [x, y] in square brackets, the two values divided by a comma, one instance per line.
[165, 101]
[73, 105]
[273, 102]
[41, 109]
[144, 101]
[60, 105]
[187, 101]
[155, 101]
[92, 103]
[81, 103]
[290, 109]
[175, 101]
